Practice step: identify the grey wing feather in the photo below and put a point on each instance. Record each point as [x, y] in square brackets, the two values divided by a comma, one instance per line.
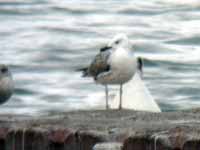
[99, 64]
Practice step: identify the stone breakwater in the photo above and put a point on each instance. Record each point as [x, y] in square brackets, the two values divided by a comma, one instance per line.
[98, 129]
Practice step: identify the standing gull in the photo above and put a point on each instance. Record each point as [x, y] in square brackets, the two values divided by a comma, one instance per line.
[6, 84]
[114, 64]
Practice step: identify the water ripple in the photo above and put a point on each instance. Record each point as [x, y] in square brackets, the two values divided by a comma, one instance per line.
[44, 42]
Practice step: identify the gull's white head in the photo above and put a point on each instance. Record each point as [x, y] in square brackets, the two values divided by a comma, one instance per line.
[120, 40]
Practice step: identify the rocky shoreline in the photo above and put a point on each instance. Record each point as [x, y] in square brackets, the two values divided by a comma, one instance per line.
[92, 130]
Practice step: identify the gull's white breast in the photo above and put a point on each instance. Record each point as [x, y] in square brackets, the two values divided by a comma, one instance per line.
[123, 65]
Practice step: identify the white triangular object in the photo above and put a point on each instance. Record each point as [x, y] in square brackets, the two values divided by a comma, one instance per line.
[136, 96]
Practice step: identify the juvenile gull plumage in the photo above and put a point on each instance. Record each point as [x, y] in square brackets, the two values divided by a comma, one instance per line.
[114, 64]
[6, 84]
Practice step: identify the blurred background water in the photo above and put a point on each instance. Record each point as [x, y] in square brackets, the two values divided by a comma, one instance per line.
[45, 41]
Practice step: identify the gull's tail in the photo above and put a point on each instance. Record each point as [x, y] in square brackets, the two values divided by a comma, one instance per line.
[84, 71]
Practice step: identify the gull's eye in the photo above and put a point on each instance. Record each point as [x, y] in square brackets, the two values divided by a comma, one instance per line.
[117, 42]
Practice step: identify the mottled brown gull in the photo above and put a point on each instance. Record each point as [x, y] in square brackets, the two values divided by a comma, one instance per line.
[114, 64]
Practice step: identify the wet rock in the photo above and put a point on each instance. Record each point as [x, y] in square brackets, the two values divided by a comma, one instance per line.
[26, 139]
[62, 139]
[87, 140]
[3, 134]
[191, 145]
[59, 135]
[85, 130]
[108, 146]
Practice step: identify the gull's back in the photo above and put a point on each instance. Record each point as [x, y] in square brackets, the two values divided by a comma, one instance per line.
[99, 64]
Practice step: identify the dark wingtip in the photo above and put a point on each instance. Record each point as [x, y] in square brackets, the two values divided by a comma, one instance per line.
[140, 65]
[84, 71]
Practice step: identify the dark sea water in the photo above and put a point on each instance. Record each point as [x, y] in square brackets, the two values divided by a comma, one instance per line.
[45, 41]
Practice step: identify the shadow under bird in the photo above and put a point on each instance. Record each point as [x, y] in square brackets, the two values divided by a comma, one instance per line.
[6, 84]
[115, 64]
